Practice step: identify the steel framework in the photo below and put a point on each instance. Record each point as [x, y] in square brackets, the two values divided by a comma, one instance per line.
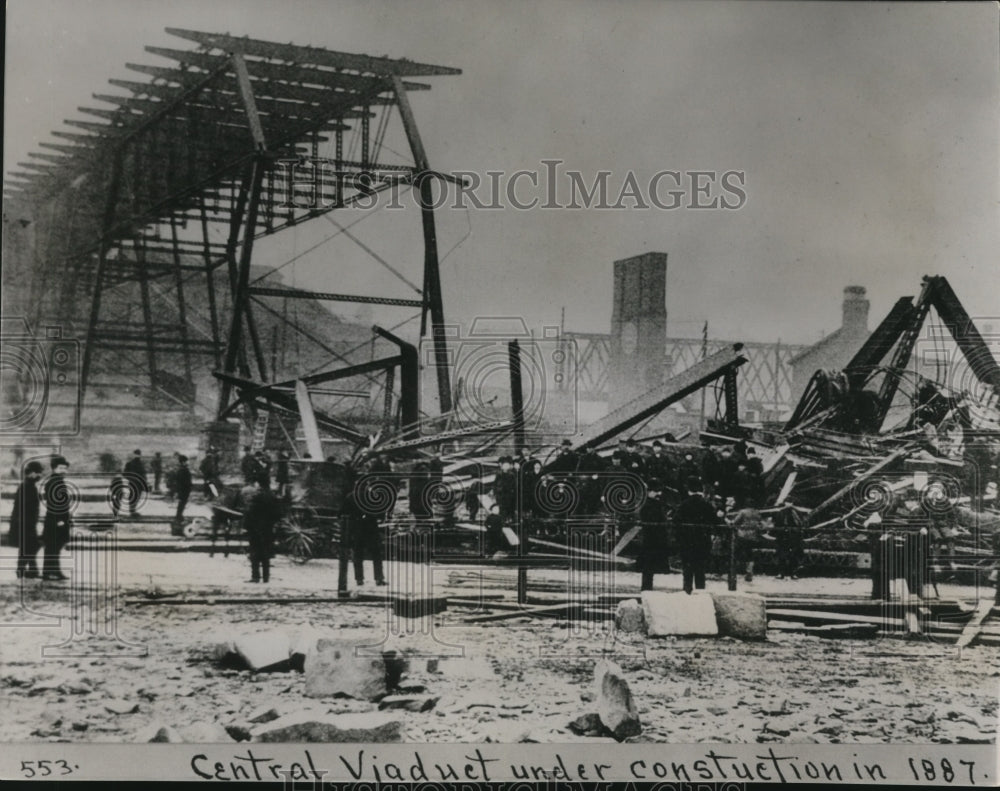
[122, 210]
[765, 379]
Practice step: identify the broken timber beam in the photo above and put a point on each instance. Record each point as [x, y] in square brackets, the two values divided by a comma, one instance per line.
[975, 624]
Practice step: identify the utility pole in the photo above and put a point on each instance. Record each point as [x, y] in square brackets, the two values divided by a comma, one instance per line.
[704, 354]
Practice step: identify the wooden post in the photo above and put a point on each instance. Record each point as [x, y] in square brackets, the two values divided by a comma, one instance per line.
[731, 581]
[342, 558]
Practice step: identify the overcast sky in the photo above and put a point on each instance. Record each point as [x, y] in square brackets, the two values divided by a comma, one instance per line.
[867, 133]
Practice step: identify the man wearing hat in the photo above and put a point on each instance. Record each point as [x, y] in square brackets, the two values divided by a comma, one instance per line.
[505, 489]
[655, 555]
[135, 474]
[566, 460]
[24, 520]
[693, 522]
[58, 518]
[261, 513]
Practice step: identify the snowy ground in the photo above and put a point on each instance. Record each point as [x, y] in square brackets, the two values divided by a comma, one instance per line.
[524, 677]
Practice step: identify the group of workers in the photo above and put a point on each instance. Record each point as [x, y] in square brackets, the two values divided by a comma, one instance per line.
[681, 507]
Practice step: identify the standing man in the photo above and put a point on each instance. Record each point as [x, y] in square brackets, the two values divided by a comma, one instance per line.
[694, 519]
[24, 520]
[365, 526]
[183, 485]
[248, 466]
[260, 515]
[209, 469]
[263, 468]
[659, 467]
[135, 474]
[58, 518]
[157, 466]
[655, 557]
[505, 490]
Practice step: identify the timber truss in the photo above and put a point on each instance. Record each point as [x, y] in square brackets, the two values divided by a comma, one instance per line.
[122, 207]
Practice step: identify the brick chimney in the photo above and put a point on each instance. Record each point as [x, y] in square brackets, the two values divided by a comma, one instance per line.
[855, 310]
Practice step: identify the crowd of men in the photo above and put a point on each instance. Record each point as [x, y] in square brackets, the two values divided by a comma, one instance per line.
[682, 507]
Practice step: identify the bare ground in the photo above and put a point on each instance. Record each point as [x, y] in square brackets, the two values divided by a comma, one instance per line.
[525, 679]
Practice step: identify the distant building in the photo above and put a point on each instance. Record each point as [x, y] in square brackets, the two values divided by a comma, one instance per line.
[837, 348]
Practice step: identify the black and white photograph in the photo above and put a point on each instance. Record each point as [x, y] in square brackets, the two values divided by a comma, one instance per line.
[475, 394]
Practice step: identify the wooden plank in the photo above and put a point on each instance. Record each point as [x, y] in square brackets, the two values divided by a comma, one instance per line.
[786, 488]
[526, 612]
[812, 616]
[568, 548]
[974, 626]
[625, 540]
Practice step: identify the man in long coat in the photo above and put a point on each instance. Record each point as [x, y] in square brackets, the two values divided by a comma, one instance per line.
[24, 520]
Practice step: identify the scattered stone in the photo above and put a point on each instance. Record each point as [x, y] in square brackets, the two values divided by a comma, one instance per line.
[629, 616]
[206, 733]
[345, 668]
[265, 652]
[310, 726]
[160, 734]
[396, 665]
[718, 711]
[741, 615]
[80, 726]
[588, 725]
[121, 706]
[301, 644]
[238, 733]
[224, 649]
[77, 688]
[615, 705]
[408, 702]
[678, 614]
[587, 696]
[262, 714]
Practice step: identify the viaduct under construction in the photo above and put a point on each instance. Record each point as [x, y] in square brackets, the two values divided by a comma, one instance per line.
[135, 233]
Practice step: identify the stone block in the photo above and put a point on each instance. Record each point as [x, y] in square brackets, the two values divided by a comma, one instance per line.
[679, 614]
[343, 668]
[629, 616]
[265, 651]
[740, 615]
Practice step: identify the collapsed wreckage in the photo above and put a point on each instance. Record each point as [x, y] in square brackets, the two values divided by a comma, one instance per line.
[879, 466]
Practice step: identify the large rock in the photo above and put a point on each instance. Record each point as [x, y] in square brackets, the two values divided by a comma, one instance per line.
[311, 726]
[343, 668]
[301, 644]
[741, 615]
[615, 705]
[265, 651]
[629, 616]
[679, 614]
